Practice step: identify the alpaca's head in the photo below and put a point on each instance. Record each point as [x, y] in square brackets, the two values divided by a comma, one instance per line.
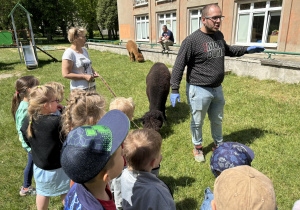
[140, 57]
[153, 120]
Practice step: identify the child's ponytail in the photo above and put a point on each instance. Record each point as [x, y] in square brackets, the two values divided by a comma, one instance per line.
[15, 104]
[29, 129]
[22, 85]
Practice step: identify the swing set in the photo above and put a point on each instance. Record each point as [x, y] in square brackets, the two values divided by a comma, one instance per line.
[9, 38]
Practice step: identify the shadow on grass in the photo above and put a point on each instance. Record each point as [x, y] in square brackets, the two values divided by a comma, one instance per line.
[175, 115]
[8, 66]
[245, 136]
[188, 203]
[172, 183]
[46, 62]
[11, 66]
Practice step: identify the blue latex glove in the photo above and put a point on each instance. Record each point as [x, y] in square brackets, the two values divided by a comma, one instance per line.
[174, 97]
[255, 49]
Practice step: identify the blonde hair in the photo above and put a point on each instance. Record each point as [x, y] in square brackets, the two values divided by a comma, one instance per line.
[140, 147]
[75, 92]
[83, 108]
[38, 97]
[75, 32]
[125, 105]
[59, 89]
[22, 85]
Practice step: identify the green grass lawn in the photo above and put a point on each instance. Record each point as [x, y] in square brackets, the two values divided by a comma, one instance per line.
[264, 115]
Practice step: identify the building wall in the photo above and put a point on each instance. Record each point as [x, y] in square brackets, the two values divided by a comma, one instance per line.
[126, 23]
[288, 38]
[292, 27]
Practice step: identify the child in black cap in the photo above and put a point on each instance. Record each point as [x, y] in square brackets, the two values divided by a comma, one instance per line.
[91, 157]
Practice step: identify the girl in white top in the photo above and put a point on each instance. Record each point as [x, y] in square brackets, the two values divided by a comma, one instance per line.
[76, 63]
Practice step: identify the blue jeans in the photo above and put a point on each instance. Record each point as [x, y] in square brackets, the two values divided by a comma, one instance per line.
[204, 100]
[28, 172]
[208, 197]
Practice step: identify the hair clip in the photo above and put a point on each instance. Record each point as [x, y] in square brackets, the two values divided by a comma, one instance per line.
[17, 92]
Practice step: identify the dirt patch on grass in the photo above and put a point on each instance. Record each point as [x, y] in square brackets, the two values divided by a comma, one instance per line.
[4, 76]
[52, 48]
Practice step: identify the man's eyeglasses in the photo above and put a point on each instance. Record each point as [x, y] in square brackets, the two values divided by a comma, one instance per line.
[216, 18]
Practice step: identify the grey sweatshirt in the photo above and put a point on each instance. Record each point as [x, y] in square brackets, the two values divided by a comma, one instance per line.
[203, 54]
[143, 190]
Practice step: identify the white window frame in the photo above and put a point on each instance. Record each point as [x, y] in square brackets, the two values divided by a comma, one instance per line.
[146, 20]
[165, 19]
[266, 23]
[137, 3]
[198, 16]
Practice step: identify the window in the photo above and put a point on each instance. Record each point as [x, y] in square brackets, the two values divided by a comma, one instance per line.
[142, 28]
[137, 3]
[168, 19]
[258, 22]
[195, 20]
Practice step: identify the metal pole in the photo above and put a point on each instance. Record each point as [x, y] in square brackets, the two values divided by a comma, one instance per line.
[15, 32]
[32, 36]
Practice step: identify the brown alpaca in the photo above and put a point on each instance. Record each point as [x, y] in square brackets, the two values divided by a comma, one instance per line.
[133, 52]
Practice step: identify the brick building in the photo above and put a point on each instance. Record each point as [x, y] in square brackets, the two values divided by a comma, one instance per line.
[269, 23]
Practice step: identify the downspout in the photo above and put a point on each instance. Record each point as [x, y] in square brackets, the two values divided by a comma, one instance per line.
[286, 38]
[150, 22]
[179, 23]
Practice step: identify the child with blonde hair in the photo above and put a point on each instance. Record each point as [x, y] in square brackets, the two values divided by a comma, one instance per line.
[127, 106]
[140, 188]
[83, 108]
[60, 91]
[19, 106]
[41, 132]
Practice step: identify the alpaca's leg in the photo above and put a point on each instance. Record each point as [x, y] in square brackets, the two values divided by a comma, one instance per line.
[131, 56]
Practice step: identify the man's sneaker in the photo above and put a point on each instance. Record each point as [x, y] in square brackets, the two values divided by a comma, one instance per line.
[198, 154]
[29, 191]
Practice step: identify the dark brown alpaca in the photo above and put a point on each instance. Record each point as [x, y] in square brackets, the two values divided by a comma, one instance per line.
[133, 52]
[158, 87]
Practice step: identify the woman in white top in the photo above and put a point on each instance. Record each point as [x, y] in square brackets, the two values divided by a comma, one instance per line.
[76, 63]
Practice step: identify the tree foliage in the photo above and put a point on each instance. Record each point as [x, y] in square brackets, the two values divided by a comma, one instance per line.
[51, 16]
[107, 16]
[5, 20]
[87, 12]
